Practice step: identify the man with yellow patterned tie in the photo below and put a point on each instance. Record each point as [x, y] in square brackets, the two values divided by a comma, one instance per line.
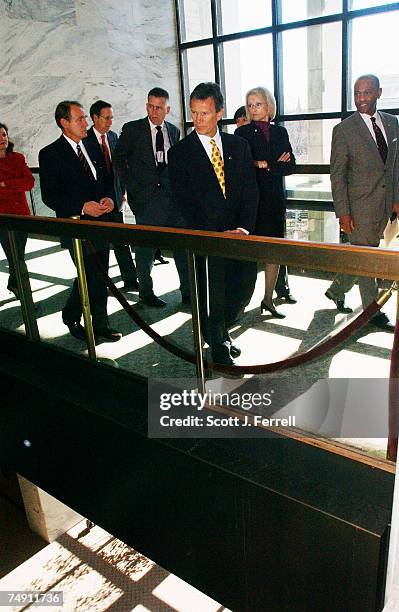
[213, 185]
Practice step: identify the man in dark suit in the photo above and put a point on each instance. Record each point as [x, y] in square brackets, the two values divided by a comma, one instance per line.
[140, 158]
[214, 188]
[365, 184]
[240, 116]
[72, 183]
[101, 135]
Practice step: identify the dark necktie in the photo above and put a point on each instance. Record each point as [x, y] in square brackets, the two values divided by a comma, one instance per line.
[84, 162]
[381, 143]
[107, 159]
[160, 149]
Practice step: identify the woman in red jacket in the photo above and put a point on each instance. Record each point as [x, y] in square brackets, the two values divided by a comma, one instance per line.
[15, 180]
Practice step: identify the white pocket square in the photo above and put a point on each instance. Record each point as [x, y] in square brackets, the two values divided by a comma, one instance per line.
[394, 140]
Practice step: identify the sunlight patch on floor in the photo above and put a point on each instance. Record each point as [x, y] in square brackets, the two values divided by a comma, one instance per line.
[96, 571]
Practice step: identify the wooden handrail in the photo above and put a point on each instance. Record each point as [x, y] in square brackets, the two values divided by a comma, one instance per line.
[299, 169]
[357, 260]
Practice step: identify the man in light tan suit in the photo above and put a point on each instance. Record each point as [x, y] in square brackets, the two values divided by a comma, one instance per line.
[365, 184]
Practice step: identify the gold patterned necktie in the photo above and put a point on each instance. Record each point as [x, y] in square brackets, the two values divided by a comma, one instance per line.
[218, 165]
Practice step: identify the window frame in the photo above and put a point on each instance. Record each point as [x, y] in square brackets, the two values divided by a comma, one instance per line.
[345, 17]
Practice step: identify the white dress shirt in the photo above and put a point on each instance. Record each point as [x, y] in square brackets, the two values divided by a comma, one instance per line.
[166, 141]
[74, 147]
[367, 119]
[206, 143]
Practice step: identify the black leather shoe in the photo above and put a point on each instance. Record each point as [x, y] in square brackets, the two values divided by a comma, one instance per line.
[222, 357]
[131, 285]
[287, 297]
[152, 300]
[13, 290]
[76, 330]
[382, 322]
[158, 259]
[234, 351]
[108, 334]
[340, 304]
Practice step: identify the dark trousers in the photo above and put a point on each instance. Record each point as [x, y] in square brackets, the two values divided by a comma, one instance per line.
[123, 256]
[97, 288]
[144, 265]
[180, 258]
[225, 288]
[20, 239]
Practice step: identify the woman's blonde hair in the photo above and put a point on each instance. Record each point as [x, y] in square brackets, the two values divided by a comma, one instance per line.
[268, 98]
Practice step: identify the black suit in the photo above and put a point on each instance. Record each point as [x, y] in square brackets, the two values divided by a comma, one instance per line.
[65, 187]
[199, 201]
[122, 252]
[147, 188]
[272, 205]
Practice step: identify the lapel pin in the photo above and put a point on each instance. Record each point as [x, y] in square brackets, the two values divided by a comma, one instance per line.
[230, 157]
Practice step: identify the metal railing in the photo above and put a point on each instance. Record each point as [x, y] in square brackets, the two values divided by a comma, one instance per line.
[353, 260]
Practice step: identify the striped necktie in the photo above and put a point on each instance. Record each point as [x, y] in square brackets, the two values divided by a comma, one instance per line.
[218, 166]
[381, 142]
[84, 162]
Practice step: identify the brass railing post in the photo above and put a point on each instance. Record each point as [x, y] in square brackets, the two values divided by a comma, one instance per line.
[84, 295]
[24, 290]
[199, 353]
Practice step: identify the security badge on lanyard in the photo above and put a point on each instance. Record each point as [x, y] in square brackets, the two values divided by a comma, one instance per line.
[160, 148]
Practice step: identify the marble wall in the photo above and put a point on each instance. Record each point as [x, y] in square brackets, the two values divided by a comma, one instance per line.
[52, 50]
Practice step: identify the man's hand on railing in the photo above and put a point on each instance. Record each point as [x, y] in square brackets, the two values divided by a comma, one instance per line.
[238, 230]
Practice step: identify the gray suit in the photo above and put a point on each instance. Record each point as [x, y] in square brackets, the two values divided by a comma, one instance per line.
[147, 189]
[363, 187]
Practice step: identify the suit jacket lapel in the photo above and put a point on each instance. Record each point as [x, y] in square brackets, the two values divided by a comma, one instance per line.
[171, 133]
[70, 158]
[147, 150]
[229, 165]
[391, 134]
[91, 138]
[69, 155]
[112, 141]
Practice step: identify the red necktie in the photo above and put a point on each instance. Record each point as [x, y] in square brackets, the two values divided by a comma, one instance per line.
[107, 158]
[381, 142]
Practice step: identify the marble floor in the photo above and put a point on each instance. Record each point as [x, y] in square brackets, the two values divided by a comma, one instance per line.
[261, 338]
[93, 570]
